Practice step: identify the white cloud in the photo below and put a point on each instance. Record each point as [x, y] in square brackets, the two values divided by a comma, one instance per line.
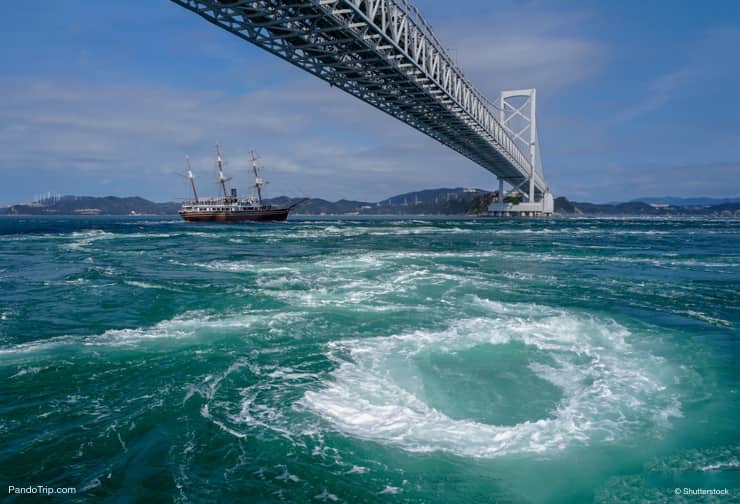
[524, 48]
[524, 61]
[318, 141]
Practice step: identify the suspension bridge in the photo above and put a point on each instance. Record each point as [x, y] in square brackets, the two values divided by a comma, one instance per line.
[384, 53]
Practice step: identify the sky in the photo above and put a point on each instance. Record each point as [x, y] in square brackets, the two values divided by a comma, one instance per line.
[107, 98]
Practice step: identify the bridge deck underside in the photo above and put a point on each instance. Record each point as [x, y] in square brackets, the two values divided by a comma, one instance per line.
[338, 44]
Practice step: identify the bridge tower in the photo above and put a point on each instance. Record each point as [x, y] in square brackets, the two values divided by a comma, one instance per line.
[518, 117]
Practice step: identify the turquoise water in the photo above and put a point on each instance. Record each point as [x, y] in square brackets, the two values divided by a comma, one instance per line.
[344, 360]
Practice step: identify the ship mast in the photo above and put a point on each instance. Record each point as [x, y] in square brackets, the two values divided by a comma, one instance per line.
[258, 182]
[220, 166]
[192, 178]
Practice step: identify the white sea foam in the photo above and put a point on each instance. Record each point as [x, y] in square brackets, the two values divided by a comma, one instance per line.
[260, 406]
[286, 476]
[317, 288]
[358, 470]
[325, 496]
[147, 285]
[142, 285]
[362, 261]
[231, 266]
[244, 266]
[390, 490]
[642, 487]
[29, 371]
[608, 388]
[207, 415]
[355, 231]
[186, 325]
[712, 459]
[721, 466]
[90, 485]
[85, 238]
[665, 262]
[715, 321]
[82, 239]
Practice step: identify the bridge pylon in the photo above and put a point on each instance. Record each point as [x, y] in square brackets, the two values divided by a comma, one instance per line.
[518, 116]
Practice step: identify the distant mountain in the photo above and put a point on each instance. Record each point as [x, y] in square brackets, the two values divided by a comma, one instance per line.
[457, 201]
[565, 207]
[685, 202]
[318, 206]
[91, 205]
[431, 196]
[636, 208]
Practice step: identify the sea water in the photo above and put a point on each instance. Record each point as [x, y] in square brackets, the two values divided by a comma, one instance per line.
[371, 360]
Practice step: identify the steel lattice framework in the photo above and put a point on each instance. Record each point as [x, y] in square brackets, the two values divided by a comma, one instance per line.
[384, 53]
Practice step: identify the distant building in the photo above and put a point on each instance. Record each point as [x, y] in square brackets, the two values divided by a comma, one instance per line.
[45, 200]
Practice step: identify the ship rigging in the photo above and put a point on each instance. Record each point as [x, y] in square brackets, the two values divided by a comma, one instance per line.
[230, 207]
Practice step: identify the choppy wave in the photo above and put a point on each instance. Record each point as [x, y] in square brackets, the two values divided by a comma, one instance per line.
[84, 238]
[149, 285]
[705, 468]
[187, 325]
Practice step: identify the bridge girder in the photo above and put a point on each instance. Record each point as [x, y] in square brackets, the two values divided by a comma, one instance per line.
[384, 53]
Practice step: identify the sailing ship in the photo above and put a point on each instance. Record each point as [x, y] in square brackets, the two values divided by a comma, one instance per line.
[230, 207]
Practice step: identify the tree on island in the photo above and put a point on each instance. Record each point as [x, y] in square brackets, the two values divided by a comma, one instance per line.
[513, 198]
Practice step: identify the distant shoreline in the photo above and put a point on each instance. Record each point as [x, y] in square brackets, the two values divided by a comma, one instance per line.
[457, 202]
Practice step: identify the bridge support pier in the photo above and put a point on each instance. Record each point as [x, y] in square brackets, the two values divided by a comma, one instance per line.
[542, 208]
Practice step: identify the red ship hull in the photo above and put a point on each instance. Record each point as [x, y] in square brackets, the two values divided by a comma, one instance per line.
[274, 214]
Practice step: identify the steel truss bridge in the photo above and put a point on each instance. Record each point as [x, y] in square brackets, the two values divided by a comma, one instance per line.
[384, 53]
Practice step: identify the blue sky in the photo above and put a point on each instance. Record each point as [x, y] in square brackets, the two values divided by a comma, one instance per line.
[634, 99]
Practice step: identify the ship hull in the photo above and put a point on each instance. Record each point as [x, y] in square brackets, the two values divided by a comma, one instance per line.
[276, 214]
